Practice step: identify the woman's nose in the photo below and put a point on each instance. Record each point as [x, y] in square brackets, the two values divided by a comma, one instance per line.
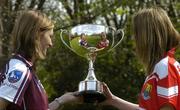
[50, 43]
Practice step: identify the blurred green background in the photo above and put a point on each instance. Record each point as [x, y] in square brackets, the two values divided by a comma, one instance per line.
[63, 70]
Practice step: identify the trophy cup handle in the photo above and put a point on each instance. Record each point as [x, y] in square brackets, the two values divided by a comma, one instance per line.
[62, 39]
[120, 40]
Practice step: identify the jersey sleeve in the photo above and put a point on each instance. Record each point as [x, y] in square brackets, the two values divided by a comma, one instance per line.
[16, 82]
[168, 83]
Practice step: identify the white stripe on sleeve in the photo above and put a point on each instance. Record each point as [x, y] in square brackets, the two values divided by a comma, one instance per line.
[167, 92]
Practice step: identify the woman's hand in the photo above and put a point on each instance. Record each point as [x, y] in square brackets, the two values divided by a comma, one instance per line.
[70, 97]
[116, 101]
[109, 96]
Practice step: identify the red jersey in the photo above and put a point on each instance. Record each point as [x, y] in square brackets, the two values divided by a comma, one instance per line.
[21, 87]
[162, 86]
[103, 44]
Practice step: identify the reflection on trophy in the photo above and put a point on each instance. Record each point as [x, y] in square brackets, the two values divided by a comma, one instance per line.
[90, 41]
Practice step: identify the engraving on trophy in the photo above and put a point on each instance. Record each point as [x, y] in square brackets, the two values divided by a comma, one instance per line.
[90, 41]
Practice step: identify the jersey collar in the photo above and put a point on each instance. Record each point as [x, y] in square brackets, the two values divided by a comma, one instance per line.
[170, 53]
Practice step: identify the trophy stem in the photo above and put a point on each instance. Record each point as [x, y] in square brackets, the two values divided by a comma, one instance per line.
[91, 74]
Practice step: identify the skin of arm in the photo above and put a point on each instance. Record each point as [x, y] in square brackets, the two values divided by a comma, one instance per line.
[122, 104]
[116, 101]
[57, 103]
[69, 97]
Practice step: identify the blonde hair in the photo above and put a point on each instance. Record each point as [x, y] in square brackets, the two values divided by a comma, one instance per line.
[25, 34]
[154, 35]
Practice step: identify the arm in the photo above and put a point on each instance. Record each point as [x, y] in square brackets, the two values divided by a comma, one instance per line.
[117, 102]
[66, 98]
[55, 104]
[122, 104]
[3, 104]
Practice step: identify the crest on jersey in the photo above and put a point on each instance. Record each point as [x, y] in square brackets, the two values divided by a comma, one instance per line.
[147, 91]
[15, 76]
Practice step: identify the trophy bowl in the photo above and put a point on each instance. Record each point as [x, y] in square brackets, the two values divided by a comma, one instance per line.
[90, 41]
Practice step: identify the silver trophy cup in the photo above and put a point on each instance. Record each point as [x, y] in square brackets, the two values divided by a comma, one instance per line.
[90, 41]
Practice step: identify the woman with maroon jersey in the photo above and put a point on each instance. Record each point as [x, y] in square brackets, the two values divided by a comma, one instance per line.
[20, 88]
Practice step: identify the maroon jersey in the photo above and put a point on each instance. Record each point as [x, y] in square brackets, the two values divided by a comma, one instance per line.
[21, 87]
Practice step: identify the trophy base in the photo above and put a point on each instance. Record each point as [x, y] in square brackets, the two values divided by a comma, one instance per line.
[91, 90]
[92, 96]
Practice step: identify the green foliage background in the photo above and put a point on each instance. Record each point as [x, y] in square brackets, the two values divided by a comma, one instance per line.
[63, 70]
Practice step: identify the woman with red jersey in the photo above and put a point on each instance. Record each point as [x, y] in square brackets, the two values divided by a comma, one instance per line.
[20, 88]
[156, 41]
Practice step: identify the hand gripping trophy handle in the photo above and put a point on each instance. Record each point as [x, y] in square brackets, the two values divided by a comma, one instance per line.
[89, 40]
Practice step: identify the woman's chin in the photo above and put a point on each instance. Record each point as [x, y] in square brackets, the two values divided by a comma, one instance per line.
[42, 56]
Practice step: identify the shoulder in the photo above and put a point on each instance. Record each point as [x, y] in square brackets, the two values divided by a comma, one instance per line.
[17, 64]
[17, 71]
[165, 66]
[161, 68]
[17, 79]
